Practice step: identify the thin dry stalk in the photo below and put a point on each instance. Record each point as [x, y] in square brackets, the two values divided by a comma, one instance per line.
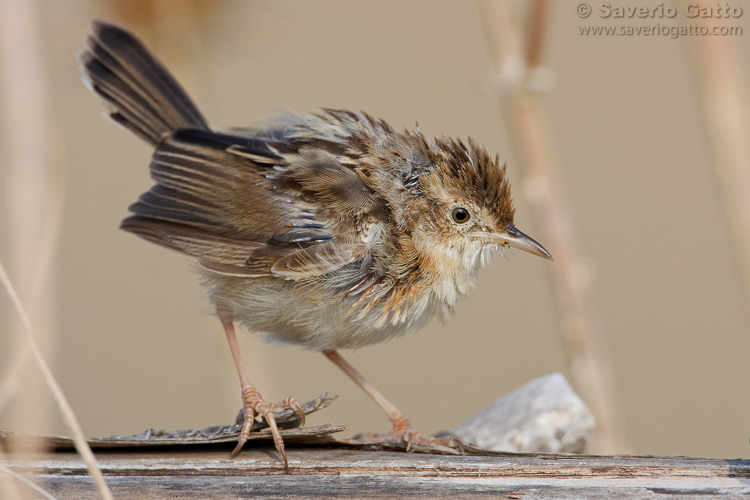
[8, 485]
[51, 228]
[79, 439]
[24, 184]
[588, 363]
[26, 181]
[726, 107]
[10, 382]
[537, 30]
[22, 479]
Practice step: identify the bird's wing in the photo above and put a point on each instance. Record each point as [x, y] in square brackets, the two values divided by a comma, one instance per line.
[250, 207]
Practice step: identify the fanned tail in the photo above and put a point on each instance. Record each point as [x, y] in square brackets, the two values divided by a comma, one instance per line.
[140, 92]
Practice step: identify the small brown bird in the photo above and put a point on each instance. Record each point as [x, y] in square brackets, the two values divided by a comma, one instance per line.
[329, 230]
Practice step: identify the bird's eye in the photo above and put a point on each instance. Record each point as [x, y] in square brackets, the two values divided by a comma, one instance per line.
[460, 215]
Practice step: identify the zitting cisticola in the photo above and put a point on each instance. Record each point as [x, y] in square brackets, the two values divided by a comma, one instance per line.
[328, 230]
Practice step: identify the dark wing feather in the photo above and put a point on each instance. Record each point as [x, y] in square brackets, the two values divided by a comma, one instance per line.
[319, 174]
[248, 206]
[242, 209]
[202, 184]
[141, 94]
[185, 239]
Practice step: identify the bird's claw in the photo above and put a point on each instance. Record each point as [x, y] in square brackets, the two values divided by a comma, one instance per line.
[411, 437]
[255, 405]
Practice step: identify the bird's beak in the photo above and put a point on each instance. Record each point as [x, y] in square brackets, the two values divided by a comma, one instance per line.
[515, 238]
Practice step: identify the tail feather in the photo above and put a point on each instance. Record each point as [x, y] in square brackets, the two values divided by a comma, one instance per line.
[141, 93]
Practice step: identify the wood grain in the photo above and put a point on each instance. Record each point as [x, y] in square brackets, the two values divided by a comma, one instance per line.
[351, 473]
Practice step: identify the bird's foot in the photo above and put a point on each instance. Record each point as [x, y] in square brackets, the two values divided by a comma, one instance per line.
[413, 439]
[254, 405]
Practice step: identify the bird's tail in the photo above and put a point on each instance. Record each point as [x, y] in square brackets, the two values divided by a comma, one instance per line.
[139, 91]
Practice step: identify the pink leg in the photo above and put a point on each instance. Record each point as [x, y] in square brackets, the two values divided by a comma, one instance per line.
[253, 403]
[402, 429]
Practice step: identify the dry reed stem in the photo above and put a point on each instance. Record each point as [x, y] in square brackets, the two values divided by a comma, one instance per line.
[22, 479]
[24, 183]
[79, 439]
[724, 93]
[8, 488]
[10, 382]
[588, 362]
[31, 231]
[537, 30]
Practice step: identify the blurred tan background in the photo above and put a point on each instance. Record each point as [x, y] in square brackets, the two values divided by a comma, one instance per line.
[137, 347]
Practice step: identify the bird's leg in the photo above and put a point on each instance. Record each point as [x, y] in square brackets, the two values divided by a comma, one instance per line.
[402, 429]
[253, 403]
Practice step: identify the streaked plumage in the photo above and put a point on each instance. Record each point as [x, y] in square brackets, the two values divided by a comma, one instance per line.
[329, 230]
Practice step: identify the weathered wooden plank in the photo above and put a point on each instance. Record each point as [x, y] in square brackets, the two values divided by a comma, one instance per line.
[196, 464]
[349, 473]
